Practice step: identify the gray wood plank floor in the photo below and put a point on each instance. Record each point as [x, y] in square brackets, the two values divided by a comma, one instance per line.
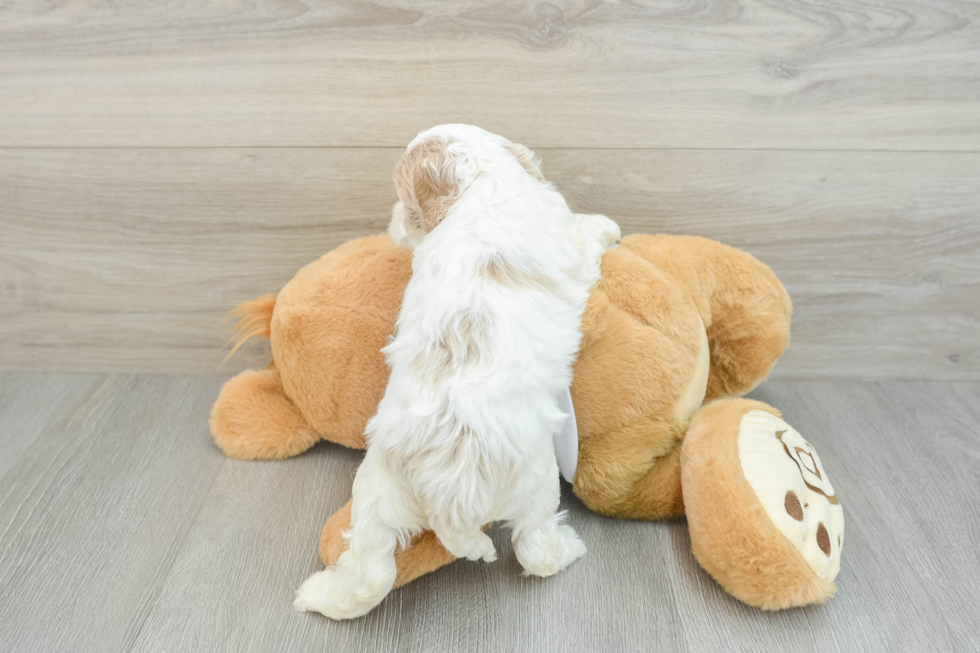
[123, 528]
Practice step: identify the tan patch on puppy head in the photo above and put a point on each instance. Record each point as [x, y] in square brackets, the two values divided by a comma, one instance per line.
[426, 183]
[528, 160]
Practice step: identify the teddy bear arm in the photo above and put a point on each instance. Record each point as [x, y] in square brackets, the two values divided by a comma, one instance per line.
[253, 419]
[741, 361]
[750, 321]
[424, 553]
[745, 309]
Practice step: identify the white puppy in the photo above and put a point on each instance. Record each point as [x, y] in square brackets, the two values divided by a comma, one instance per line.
[484, 344]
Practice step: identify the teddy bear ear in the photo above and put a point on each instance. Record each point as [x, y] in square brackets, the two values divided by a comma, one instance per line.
[427, 181]
[528, 159]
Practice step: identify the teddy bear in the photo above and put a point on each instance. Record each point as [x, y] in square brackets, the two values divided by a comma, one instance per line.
[678, 329]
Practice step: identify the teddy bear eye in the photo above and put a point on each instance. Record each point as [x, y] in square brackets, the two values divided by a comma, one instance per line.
[823, 539]
[793, 507]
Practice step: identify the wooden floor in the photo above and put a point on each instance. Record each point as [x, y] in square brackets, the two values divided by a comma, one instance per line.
[124, 529]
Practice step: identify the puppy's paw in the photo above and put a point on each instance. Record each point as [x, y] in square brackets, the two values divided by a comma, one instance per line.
[472, 546]
[315, 592]
[611, 233]
[599, 229]
[476, 548]
[547, 552]
[326, 592]
[571, 546]
[489, 553]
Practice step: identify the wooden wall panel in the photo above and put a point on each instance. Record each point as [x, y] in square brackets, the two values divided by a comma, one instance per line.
[125, 259]
[721, 74]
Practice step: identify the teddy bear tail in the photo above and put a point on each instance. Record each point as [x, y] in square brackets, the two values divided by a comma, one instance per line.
[253, 319]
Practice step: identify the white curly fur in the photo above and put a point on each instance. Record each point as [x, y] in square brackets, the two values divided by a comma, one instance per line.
[485, 341]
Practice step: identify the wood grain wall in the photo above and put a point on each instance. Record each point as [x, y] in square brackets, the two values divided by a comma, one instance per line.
[160, 161]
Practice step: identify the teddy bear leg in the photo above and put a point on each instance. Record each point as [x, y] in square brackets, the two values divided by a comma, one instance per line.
[424, 554]
[657, 494]
[253, 419]
[646, 483]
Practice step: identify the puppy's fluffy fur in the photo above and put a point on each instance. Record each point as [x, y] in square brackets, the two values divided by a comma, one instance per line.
[485, 341]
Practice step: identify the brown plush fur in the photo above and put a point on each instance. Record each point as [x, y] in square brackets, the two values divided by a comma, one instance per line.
[731, 534]
[252, 321]
[424, 554]
[642, 331]
[745, 308]
[326, 331]
[330, 323]
[255, 420]
[637, 358]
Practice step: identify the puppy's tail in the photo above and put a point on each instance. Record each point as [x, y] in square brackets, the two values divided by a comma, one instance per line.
[253, 319]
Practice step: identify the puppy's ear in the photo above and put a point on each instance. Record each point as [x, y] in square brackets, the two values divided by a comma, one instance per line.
[528, 159]
[397, 229]
[427, 181]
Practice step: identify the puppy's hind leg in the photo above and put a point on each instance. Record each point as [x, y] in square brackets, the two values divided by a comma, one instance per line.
[543, 544]
[470, 543]
[365, 572]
